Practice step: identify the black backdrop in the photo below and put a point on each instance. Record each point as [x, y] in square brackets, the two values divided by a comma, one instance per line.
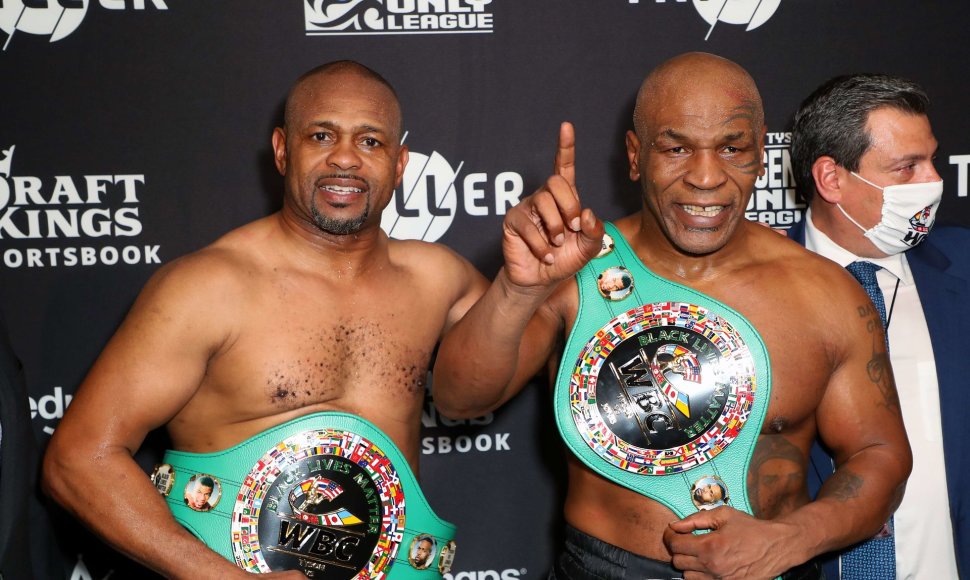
[134, 131]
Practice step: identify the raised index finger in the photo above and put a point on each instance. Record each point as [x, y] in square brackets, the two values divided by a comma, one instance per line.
[566, 154]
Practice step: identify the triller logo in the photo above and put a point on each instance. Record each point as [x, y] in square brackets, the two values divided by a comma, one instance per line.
[56, 18]
[752, 13]
[427, 201]
[328, 17]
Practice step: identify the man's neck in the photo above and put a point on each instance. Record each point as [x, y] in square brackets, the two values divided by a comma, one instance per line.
[655, 249]
[343, 255]
[829, 220]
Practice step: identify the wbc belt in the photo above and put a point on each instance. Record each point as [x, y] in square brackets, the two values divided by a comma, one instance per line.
[661, 389]
[328, 494]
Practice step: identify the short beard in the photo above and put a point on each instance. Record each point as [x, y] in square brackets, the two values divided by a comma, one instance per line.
[339, 227]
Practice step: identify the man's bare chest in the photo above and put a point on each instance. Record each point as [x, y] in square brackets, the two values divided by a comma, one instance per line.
[341, 363]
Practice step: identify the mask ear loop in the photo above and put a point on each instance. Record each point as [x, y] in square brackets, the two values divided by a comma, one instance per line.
[846, 214]
[867, 181]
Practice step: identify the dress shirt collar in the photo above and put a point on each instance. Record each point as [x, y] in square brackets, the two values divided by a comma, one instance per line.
[820, 243]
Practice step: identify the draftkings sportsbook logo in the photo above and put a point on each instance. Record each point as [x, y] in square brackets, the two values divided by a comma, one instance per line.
[750, 13]
[65, 220]
[329, 17]
[432, 192]
[57, 19]
[774, 201]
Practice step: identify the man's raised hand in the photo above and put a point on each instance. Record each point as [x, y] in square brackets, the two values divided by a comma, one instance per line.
[549, 236]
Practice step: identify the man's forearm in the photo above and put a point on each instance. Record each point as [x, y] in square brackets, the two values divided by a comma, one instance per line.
[484, 358]
[854, 503]
[112, 495]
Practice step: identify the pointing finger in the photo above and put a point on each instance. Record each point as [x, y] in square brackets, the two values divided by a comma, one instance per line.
[566, 154]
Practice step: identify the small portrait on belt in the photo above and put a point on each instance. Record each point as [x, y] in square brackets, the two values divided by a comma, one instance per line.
[709, 492]
[202, 492]
[615, 283]
[423, 551]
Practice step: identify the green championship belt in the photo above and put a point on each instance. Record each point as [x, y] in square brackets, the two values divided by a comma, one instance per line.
[661, 389]
[328, 494]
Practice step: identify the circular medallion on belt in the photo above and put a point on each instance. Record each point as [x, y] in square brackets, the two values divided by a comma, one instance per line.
[662, 388]
[163, 478]
[447, 559]
[709, 492]
[327, 502]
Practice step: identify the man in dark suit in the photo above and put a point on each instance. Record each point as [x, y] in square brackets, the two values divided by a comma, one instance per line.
[862, 152]
[18, 463]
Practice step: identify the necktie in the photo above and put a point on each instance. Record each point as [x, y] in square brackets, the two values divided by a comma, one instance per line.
[875, 558]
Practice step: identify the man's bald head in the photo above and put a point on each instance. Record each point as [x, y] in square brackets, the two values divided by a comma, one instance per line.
[334, 75]
[692, 72]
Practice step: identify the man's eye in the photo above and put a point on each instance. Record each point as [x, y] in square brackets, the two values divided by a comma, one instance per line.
[321, 136]
[370, 142]
[677, 150]
[731, 149]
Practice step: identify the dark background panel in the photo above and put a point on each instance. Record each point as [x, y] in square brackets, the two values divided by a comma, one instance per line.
[185, 95]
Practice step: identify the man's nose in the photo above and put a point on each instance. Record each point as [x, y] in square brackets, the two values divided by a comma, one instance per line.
[344, 155]
[704, 170]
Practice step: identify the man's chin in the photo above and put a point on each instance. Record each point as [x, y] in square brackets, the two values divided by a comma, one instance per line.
[339, 227]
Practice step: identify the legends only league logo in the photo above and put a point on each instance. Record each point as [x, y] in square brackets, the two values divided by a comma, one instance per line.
[326, 17]
[346, 15]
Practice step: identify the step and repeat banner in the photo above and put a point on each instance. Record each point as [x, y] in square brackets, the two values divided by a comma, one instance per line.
[135, 131]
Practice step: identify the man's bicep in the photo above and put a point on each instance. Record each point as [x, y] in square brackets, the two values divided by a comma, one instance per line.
[471, 285]
[860, 407]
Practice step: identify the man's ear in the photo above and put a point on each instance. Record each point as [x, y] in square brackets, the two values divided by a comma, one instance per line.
[828, 177]
[402, 162]
[633, 154]
[279, 149]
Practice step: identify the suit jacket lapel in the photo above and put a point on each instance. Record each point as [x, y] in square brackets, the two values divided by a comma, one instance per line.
[944, 298]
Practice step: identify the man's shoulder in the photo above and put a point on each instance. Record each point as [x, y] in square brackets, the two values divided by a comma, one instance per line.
[945, 249]
[783, 253]
[213, 272]
[426, 257]
[952, 241]
[802, 275]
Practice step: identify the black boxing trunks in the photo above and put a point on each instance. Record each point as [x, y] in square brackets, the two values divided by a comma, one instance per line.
[584, 556]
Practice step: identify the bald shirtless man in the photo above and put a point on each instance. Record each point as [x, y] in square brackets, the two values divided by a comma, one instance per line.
[733, 349]
[287, 361]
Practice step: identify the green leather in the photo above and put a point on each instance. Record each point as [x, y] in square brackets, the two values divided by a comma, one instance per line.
[672, 489]
[232, 467]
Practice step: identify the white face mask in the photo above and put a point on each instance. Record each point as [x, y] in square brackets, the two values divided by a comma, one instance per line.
[908, 213]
